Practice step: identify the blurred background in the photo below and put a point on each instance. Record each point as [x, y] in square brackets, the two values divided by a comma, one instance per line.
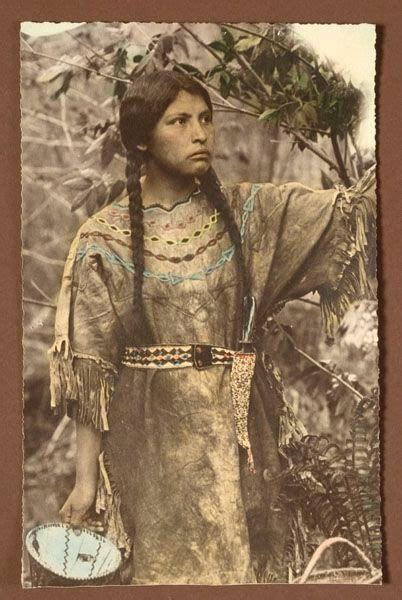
[297, 105]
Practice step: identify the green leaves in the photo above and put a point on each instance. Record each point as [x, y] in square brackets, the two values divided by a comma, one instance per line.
[191, 70]
[60, 75]
[302, 93]
[63, 89]
[310, 113]
[226, 82]
[119, 69]
[338, 491]
[271, 114]
[218, 45]
[227, 37]
[225, 45]
[120, 62]
[211, 72]
[52, 73]
[245, 43]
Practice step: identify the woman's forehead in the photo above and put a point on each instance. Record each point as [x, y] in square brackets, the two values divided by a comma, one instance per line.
[186, 102]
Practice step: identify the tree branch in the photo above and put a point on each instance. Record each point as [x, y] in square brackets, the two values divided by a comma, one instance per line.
[204, 84]
[315, 130]
[58, 432]
[271, 40]
[178, 66]
[337, 152]
[41, 116]
[88, 99]
[31, 139]
[50, 195]
[358, 154]
[307, 301]
[42, 293]
[203, 44]
[64, 122]
[216, 56]
[39, 302]
[235, 109]
[42, 258]
[94, 52]
[87, 46]
[74, 65]
[317, 364]
[239, 99]
[311, 146]
[246, 65]
[52, 172]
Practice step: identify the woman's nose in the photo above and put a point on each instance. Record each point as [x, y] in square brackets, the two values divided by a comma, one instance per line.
[198, 133]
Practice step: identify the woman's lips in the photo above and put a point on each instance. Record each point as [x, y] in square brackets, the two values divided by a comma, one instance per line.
[200, 155]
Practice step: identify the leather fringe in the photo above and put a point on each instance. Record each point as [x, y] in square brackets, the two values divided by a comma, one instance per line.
[81, 385]
[108, 500]
[351, 254]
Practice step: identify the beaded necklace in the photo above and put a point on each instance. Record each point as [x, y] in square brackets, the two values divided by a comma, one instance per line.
[173, 278]
[197, 233]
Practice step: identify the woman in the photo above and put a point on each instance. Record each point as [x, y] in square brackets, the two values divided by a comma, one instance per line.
[164, 297]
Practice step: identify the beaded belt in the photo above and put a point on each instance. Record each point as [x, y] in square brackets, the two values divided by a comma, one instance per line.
[200, 356]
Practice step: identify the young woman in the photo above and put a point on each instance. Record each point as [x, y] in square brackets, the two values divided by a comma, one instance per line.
[159, 354]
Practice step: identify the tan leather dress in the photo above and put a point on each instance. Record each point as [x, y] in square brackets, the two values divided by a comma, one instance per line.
[174, 483]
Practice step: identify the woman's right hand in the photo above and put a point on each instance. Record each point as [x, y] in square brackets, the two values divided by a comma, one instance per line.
[78, 504]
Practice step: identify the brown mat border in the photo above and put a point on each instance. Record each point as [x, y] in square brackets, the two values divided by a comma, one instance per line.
[387, 15]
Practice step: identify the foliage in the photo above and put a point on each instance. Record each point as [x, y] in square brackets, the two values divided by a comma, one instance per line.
[274, 73]
[302, 93]
[352, 358]
[75, 161]
[335, 492]
[266, 69]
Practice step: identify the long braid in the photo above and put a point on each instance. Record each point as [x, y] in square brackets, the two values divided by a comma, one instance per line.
[133, 172]
[211, 187]
[142, 106]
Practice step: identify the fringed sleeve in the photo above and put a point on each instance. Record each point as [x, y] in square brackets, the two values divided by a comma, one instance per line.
[85, 354]
[314, 240]
[355, 254]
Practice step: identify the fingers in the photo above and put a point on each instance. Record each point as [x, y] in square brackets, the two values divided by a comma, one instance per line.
[76, 511]
[65, 512]
[69, 514]
[93, 524]
[77, 517]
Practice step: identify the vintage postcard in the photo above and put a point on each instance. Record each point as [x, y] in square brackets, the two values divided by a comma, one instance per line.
[201, 399]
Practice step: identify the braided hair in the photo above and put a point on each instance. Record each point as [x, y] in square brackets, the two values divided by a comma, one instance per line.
[142, 106]
[211, 186]
[135, 206]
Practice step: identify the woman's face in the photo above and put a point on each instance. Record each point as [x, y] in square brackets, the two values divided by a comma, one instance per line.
[182, 141]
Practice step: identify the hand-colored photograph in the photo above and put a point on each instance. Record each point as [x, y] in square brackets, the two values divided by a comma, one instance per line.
[199, 245]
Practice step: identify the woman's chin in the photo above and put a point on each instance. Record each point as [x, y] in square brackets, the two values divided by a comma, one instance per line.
[201, 168]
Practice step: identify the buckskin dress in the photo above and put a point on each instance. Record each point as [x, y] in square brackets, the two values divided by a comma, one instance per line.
[174, 483]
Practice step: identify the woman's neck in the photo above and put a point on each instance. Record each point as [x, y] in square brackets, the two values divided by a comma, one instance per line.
[165, 189]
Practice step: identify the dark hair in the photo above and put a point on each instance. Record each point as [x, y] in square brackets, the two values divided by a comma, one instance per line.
[142, 106]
